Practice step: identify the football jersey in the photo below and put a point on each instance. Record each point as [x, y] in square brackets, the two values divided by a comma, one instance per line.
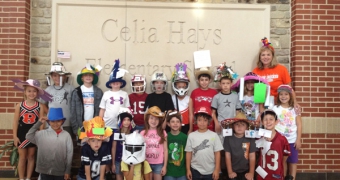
[272, 161]
[94, 160]
[137, 105]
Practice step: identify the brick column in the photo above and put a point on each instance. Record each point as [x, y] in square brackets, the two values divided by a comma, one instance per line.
[315, 66]
[14, 57]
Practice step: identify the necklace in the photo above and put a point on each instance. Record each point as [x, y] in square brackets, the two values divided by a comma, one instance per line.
[57, 88]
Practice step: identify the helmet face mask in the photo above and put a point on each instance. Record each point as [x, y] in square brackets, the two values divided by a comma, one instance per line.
[138, 88]
[158, 76]
[134, 149]
[180, 91]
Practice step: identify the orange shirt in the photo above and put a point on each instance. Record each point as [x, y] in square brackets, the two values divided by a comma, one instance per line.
[275, 76]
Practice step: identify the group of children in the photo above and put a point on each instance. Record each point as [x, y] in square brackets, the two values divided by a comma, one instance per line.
[178, 136]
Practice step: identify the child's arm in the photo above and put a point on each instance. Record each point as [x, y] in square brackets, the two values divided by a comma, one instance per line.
[191, 116]
[15, 125]
[31, 135]
[101, 112]
[231, 173]
[88, 172]
[129, 174]
[187, 165]
[217, 125]
[42, 114]
[102, 172]
[69, 151]
[165, 162]
[216, 173]
[299, 131]
[113, 155]
[250, 174]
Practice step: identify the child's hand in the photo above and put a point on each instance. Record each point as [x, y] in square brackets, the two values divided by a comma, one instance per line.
[249, 176]
[67, 177]
[216, 174]
[297, 144]
[43, 119]
[232, 175]
[189, 175]
[16, 141]
[163, 172]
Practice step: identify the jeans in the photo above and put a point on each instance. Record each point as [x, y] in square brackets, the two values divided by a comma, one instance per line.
[197, 175]
[50, 177]
[175, 178]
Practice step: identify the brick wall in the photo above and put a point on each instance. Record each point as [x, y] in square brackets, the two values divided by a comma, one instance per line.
[315, 65]
[14, 57]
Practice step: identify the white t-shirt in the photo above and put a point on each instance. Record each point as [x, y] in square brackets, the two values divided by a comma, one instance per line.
[287, 123]
[111, 102]
[88, 100]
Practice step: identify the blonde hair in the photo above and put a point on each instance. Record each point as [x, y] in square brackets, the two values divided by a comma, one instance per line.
[25, 97]
[159, 128]
[272, 64]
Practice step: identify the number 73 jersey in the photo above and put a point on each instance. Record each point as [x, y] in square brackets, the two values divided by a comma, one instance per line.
[94, 160]
[272, 161]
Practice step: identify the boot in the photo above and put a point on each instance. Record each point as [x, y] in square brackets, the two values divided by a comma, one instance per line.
[289, 177]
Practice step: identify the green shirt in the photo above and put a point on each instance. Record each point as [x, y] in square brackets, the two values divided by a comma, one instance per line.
[176, 160]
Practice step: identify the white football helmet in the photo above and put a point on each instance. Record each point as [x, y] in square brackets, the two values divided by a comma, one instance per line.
[133, 149]
[138, 78]
[158, 76]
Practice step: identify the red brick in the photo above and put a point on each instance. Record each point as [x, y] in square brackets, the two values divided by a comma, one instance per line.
[310, 151]
[325, 151]
[325, 161]
[310, 162]
[318, 167]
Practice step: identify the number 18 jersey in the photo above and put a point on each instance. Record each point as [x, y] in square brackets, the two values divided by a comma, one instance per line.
[272, 161]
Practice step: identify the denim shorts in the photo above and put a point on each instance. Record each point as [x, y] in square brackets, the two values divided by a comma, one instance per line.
[118, 168]
[156, 168]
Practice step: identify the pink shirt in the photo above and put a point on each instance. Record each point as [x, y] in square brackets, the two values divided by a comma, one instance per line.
[154, 150]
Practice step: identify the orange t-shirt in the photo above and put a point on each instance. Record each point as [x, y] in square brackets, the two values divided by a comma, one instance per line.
[275, 76]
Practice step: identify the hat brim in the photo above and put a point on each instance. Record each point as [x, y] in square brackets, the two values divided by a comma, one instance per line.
[236, 86]
[19, 85]
[199, 72]
[59, 72]
[80, 82]
[231, 121]
[116, 80]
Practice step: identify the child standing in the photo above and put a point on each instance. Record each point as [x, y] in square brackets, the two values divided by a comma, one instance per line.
[27, 113]
[156, 142]
[251, 108]
[114, 98]
[239, 150]
[201, 96]
[180, 85]
[134, 166]
[95, 154]
[85, 98]
[203, 149]
[125, 119]
[55, 147]
[176, 143]
[274, 159]
[61, 92]
[159, 97]
[137, 100]
[290, 126]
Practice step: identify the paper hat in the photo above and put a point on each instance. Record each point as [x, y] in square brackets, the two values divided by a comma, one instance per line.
[58, 67]
[95, 128]
[116, 75]
[284, 87]
[172, 114]
[180, 73]
[89, 69]
[155, 111]
[19, 85]
[223, 70]
[266, 43]
[203, 110]
[55, 114]
[240, 116]
[202, 62]
[248, 76]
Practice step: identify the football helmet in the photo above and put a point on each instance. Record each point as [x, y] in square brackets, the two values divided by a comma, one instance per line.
[158, 76]
[138, 78]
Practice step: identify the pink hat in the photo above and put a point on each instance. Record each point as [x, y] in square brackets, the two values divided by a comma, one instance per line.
[19, 85]
[284, 87]
[247, 77]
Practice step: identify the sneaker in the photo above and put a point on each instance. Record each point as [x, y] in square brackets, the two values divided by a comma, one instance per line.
[289, 177]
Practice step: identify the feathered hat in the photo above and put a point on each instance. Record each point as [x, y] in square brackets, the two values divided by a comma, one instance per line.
[116, 75]
[95, 128]
[266, 43]
[89, 69]
[19, 85]
[223, 70]
[180, 73]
